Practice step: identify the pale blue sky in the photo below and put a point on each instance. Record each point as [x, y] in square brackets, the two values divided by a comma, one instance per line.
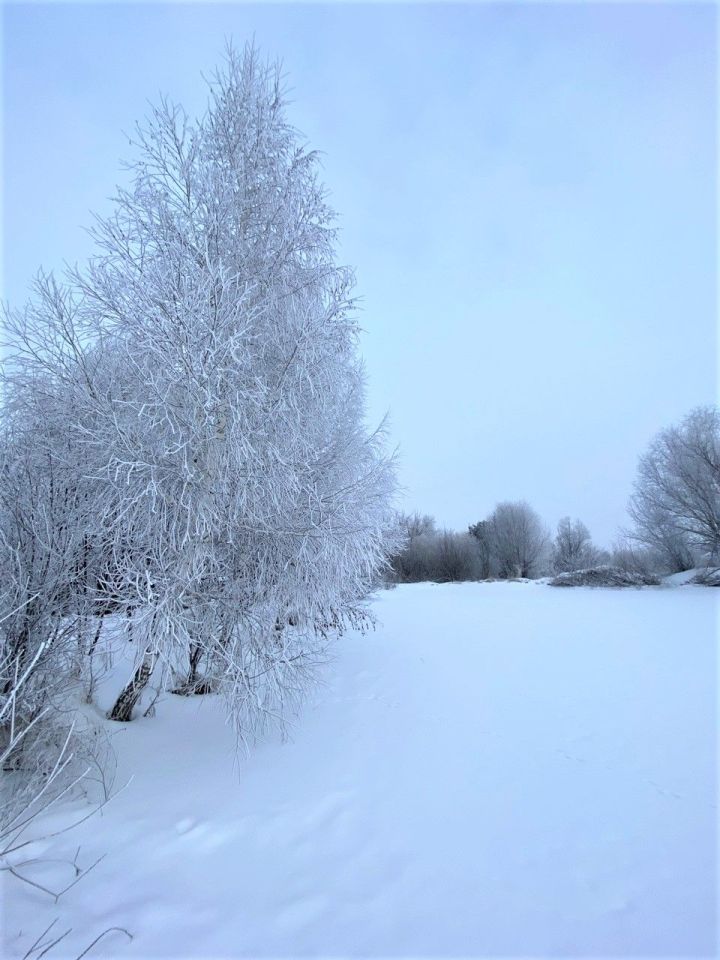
[527, 193]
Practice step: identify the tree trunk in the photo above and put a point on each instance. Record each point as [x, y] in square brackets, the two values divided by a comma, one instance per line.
[125, 703]
[194, 684]
[195, 652]
[91, 653]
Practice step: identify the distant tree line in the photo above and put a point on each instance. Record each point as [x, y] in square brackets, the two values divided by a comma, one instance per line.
[674, 509]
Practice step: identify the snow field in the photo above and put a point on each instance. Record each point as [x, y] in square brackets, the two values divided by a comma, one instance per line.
[498, 769]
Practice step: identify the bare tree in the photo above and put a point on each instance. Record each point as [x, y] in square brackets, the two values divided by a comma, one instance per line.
[675, 504]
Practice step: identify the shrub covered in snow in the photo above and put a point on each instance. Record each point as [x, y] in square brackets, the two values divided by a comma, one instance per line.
[709, 577]
[604, 576]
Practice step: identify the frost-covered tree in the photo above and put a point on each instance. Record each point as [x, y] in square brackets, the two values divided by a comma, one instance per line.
[415, 524]
[207, 361]
[442, 556]
[675, 504]
[572, 548]
[519, 539]
[482, 532]
[413, 534]
[456, 558]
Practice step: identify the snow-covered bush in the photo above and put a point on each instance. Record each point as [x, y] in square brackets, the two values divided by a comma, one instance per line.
[604, 576]
[709, 577]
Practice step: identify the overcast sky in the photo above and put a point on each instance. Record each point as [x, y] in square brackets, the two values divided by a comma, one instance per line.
[527, 193]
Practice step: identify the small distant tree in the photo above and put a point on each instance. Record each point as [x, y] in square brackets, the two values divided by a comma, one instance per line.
[456, 558]
[603, 557]
[572, 548]
[482, 532]
[675, 504]
[520, 539]
[414, 533]
[416, 524]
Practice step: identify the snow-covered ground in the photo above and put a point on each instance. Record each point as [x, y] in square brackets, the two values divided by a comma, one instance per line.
[499, 769]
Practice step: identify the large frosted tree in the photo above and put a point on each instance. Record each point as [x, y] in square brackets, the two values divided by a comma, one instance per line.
[214, 395]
